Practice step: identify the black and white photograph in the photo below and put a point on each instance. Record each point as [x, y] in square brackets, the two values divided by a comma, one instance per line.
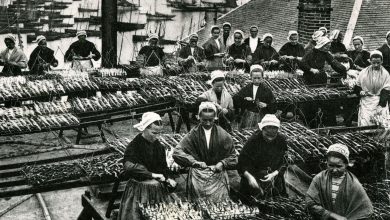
[194, 109]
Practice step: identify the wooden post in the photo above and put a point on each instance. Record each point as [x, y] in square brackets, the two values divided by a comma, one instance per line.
[109, 33]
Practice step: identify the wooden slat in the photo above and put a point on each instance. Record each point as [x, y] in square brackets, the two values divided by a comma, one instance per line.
[51, 157]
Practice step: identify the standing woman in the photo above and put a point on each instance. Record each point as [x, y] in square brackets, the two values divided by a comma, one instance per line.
[145, 164]
[214, 49]
[359, 56]
[313, 42]
[373, 85]
[41, 58]
[239, 54]
[254, 100]
[314, 61]
[221, 99]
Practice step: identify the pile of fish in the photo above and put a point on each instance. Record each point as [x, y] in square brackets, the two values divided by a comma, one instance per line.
[37, 123]
[95, 168]
[228, 210]
[46, 174]
[173, 211]
[107, 102]
[188, 89]
[38, 108]
[112, 83]
[199, 210]
[104, 166]
[379, 194]
[283, 208]
[37, 88]
[105, 72]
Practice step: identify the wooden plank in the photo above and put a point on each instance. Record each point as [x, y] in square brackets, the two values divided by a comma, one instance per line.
[13, 181]
[10, 172]
[49, 157]
[27, 189]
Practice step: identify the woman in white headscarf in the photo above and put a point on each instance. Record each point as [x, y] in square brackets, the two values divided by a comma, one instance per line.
[239, 54]
[359, 56]
[373, 85]
[146, 167]
[292, 52]
[221, 98]
[314, 61]
[214, 49]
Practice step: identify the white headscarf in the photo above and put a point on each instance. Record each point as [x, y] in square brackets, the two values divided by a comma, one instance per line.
[269, 120]
[358, 38]
[322, 41]
[339, 148]
[334, 34]
[11, 37]
[216, 74]
[207, 105]
[291, 33]
[267, 35]
[40, 38]
[316, 36]
[240, 32]
[80, 33]
[256, 67]
[147, 119]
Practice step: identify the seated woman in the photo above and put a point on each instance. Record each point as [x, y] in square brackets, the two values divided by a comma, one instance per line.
[221, 98]
[254, 100]
[373, 86]
[291, 53]
[145, 164]
[359, 56]
[336, 193]
[239, 54]
[268, 56]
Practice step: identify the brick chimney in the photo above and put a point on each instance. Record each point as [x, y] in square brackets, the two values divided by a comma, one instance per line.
[312, 15]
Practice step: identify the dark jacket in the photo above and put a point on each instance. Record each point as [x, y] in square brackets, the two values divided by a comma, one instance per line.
[267, 53]
[145, 158]
[386, 56]
[153, 56]
[259, 155]
[240, 52]
[290, 49]
[255, 57]
[263, 94]
[39, 57]
[360, 58]
[198, 55]
[316, 59]
[337, 47]
[82, 49]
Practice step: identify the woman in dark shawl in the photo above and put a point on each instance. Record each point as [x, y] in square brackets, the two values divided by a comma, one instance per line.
[145, 164]
[336, 193]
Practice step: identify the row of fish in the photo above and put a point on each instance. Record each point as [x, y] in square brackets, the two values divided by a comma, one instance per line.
[38, 123]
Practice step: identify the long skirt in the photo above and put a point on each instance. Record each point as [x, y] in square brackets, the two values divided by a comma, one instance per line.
[208, 185]
[368, 108]
[136, 192]
[250, 119]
